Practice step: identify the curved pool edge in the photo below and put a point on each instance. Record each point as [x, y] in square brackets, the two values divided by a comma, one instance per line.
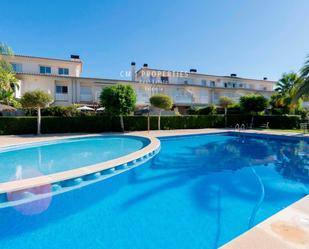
[86, 174]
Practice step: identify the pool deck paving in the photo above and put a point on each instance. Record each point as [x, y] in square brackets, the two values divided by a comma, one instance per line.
[288, 229]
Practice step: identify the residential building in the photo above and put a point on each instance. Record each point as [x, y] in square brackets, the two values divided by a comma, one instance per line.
[193, 88]
[63, 80]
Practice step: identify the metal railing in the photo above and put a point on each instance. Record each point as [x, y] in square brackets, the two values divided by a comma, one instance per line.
[304, 127]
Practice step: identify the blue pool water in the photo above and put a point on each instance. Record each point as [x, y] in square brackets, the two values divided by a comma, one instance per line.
[198, 192]
[52, 157]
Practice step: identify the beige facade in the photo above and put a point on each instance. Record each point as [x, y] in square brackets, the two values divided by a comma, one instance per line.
[216, 86]
[62, 79]
[34, 65]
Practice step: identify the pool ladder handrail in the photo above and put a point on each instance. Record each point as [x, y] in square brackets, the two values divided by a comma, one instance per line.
[240, 128]
[237, 129]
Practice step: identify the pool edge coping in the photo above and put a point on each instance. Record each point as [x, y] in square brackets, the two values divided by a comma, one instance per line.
[286, 229]
[30, 183]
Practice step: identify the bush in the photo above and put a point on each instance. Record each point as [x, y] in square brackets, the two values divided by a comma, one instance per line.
[208, 110]
[234, 109]
[275, 122]
[253, 103]
[57, 111]
[193, 110]
[161, 101]
[27, 125]
[18, 125]
[61, 111]
[80, 124]
[119, 100]
[88, 124]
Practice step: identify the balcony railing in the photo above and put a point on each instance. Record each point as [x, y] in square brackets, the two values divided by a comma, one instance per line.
[62, 97]
[86, 97]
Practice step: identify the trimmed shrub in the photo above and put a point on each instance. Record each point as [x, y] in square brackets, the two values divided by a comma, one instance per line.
[80, 124]
[88, 124]
[192, 122]
[234, 109]
[18, 125]
[253, 103]
[57, 111]
[208, 110]
[193, 110]
[275, 122]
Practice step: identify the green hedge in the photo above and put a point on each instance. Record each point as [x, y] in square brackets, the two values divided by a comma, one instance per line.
[17, 125]
[27, 125]
[275, 121]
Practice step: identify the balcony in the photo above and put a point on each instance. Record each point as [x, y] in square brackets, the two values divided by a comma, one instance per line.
[86, 98]
[62, 97]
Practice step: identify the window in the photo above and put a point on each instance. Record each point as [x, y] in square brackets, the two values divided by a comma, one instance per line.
[225, 85]
[45, 70]
[212, 83]
[62, 89]
[17, 67]
[204, 82]
[63, 71]
[164, 79]
[185, 82]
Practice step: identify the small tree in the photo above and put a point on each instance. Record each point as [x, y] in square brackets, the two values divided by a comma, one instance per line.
[253, 104]
[118, 100]
[163, 102]
[38, 100]
[225, 102]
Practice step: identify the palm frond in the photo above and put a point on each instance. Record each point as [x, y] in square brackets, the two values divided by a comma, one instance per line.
[304, 72]
[303, 90]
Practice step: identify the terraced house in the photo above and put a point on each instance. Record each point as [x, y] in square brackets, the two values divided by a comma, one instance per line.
[64, 81]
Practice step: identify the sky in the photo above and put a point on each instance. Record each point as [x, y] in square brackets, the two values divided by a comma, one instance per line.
[253, 38]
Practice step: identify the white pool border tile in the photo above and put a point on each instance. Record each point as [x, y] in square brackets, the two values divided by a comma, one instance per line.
[145, 153]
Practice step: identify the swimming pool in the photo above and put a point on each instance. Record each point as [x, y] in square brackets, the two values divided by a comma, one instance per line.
[198, 192]
[27, 161]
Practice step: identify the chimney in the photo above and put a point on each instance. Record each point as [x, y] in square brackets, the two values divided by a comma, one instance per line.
[233, 75]
[75, 57]
[192, 70]
[145, 65]
[133, 71]
[265, 78]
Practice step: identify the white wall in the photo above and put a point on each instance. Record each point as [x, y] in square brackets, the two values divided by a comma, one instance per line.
[181, 94]
[32, 65]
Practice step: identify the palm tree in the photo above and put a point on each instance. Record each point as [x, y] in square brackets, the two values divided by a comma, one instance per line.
[5, 49]
[287, 82]
[303, 89]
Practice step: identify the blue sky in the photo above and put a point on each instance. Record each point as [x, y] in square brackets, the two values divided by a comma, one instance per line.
[253, 38]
